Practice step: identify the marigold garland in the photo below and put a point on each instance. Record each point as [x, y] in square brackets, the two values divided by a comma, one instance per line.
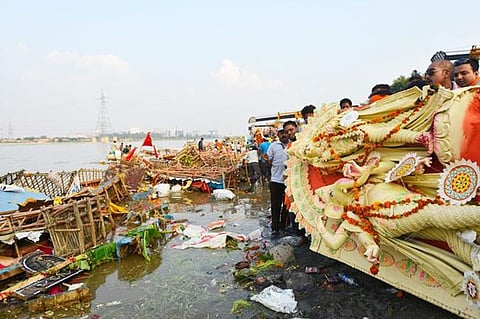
[365, 212]
[356, 192]
[368, 145]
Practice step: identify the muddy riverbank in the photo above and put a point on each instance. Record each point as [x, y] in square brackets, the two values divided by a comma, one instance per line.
[199, 283]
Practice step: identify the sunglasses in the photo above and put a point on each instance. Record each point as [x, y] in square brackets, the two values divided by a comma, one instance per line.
[431, 72]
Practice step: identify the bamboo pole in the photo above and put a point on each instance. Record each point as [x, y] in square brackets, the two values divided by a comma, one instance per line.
[92, 223]
[117, 192]
[17, 249]
[246, 172]
[47, 302]
[102, 222]
[81, 242]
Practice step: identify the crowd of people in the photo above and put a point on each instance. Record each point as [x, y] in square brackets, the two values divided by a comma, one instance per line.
[442, 72]
[117, 151]
[267, 161]
[267, 155]
[222, 146]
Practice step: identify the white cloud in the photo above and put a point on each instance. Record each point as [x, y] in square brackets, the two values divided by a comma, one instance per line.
[232, 75]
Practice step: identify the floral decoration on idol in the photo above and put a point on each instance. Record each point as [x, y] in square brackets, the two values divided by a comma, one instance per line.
[470, 286]
[459, 182]
[349, 118]
[405, 167]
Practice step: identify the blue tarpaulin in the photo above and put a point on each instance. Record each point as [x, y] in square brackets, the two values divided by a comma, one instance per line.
[10, 200]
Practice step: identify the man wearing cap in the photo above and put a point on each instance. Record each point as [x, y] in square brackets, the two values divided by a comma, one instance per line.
[441, 73]
[465, 72]
[277, 156]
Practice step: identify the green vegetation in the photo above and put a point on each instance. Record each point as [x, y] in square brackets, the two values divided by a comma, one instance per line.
[399, 84]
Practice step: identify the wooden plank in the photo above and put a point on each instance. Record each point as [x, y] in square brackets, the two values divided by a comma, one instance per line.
[9, 291]
[81, 234]
[62, 299]
[10, 271]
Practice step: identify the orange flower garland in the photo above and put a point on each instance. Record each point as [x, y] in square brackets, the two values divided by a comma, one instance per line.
[356, 195]
[370, 146]
[365, 212]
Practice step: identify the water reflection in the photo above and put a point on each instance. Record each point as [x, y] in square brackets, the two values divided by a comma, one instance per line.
[198, 283]
[134, 267]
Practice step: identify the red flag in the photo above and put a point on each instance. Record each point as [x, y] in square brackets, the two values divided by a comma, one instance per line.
[130, 154]
[155, 151]
[148, 140]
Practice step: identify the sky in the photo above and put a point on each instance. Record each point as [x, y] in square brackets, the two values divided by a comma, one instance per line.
[207, 65]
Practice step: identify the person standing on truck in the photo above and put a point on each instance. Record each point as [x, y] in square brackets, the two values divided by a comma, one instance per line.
[307, 112]
[441, 73]
[465, 72]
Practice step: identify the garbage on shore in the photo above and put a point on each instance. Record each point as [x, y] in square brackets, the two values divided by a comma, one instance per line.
[88, 217]
[277, 299]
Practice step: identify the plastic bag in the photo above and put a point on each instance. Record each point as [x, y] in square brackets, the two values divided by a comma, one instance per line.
[223, 194]
[277, 299]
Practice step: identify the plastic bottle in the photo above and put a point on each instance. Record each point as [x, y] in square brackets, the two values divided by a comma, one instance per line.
[347, 280]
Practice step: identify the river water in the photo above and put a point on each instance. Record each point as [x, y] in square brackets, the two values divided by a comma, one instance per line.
[43, 157]
[198, 283]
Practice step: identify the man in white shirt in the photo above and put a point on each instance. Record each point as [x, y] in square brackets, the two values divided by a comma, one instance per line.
[254, 172]
[277, 156]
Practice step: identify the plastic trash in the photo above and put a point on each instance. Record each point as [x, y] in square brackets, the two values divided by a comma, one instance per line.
[223, 194]
[332, 280]
[255, 235]
[346, 279]
[162, 189]
[277, 299]
[315, 270]
[176, 189]
[11, 188]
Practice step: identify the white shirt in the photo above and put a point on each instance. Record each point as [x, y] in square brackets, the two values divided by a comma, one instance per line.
[252, 156]
[277, 156]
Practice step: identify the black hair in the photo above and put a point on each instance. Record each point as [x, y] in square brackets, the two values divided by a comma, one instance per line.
[345, 100]
[473, 63]
[289, 123]
[381, 89]
[307, 109]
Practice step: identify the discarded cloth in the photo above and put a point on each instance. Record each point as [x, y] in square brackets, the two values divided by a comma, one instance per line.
[200, 237]
[210, 240]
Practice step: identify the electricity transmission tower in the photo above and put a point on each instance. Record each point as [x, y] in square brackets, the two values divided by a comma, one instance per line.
[10, 131]
[104, 127]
